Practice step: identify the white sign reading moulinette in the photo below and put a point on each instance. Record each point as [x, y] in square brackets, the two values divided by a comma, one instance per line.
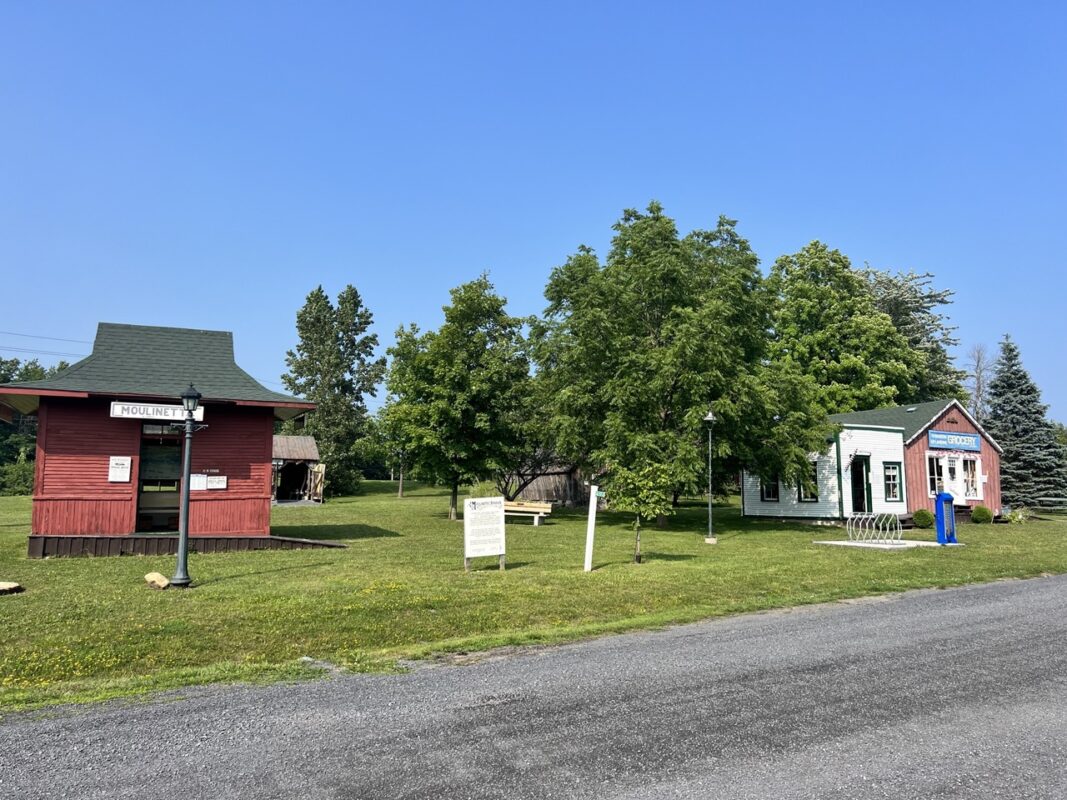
[483, 527]
[161, 413]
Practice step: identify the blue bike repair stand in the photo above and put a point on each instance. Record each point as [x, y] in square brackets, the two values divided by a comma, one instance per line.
[945, 517]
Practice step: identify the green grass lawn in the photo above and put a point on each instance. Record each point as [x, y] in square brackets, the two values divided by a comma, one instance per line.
[87, 629]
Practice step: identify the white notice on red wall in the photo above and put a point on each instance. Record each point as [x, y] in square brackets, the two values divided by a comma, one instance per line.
[118, 469]
[483, 527]
[197, 482]
[216, 481]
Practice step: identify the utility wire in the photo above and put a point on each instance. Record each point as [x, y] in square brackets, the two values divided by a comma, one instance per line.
[5, 348]
[50, 338]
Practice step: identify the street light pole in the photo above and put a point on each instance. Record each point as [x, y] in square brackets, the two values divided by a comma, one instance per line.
[190, 400]
[710, 538]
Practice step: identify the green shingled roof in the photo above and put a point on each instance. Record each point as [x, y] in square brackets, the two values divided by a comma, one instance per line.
[159, 362]
[912, 418]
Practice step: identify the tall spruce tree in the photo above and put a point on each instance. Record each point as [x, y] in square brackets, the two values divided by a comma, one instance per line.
[334, 366]
[1032, 466]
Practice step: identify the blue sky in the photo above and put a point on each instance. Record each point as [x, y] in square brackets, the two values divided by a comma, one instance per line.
[207, 164]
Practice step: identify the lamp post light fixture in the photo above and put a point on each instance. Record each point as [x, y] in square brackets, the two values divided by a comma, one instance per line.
[710, 538]
[190, 400]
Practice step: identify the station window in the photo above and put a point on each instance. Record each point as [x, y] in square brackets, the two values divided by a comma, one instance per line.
[805, 495]
[970, 477]
[935, 475]
[768, 490]
[892, 482]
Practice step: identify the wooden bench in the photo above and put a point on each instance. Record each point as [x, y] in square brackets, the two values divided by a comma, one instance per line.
[518, 508]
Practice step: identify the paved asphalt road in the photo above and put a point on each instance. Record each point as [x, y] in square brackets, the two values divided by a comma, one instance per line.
[932, 694]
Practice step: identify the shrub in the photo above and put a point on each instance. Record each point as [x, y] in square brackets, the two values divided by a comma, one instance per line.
[981, 515]
[1020, 516]
[17, 478]
[923, 518]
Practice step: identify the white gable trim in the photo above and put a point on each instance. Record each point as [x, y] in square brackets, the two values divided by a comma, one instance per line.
[966, 414]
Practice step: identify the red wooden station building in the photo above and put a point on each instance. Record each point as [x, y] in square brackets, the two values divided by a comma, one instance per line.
[108, 468]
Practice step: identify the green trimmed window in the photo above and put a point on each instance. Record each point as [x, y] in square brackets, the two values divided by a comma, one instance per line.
[892, 474]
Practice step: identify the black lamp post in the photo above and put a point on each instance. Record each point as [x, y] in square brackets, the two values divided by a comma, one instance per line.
[710, 538]
[190, 400]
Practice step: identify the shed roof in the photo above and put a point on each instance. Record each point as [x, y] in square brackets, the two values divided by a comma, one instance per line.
[150, 361]
[295, 448]
[912, 419]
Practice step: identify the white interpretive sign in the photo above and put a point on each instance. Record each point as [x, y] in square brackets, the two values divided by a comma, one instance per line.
[216, 481]
[197, 482]
[483, 528]
[118, 469]
[159, 413]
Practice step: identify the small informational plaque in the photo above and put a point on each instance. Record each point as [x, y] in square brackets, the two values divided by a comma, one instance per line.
[197, 482]
[483, 529]
[216, 481]
[118, 469]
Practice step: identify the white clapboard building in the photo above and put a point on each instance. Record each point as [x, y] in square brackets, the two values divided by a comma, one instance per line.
[889, 461]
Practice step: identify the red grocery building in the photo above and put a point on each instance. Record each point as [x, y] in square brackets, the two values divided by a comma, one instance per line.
[108, 462]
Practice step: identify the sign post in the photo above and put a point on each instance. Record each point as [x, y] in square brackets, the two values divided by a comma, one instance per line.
[483, 529]
[594, 501]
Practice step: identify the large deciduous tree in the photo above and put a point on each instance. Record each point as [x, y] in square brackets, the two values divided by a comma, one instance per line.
[334, 366]
[913, 304]
[636, 351]
[1032, 466]
[459, 390]
[827, 325]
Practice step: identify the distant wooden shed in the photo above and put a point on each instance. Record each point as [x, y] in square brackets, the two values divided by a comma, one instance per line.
[298, 470]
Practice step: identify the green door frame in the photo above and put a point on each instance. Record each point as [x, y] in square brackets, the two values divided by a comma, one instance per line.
[866, 482]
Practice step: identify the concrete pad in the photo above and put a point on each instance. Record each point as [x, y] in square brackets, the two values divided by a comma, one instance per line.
[889, 544]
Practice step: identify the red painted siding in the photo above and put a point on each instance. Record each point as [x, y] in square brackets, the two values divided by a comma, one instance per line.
[72, 494]
[915, 464]
[236, 443]
[76, 438]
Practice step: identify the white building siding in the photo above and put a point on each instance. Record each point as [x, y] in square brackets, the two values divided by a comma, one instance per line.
[881, 447]
[789, 503]
[835, 490]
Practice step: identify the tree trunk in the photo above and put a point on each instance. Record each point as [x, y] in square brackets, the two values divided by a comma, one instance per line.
[392, 476]
[661, 520]
[453, 501]
[674, 500]
[637, 541]
[400, 488]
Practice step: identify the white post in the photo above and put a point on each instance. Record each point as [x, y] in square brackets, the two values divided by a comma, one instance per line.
[590, 526]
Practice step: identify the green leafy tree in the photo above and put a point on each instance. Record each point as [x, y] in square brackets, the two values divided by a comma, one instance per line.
[913, 304]
[458, 389]
[18, 439]
[644, 491]
[636, 351]
[334, 366]
[1032, 466]
[1060, 432]
[827, 325]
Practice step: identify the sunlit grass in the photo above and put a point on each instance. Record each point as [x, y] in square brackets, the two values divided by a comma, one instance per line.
[87, 629]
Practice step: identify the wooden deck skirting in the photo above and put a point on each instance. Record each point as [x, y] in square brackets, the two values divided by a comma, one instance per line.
[160, 545]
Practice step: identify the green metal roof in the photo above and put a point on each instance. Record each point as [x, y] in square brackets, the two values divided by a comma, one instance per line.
[160, 362]
[912, 418]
